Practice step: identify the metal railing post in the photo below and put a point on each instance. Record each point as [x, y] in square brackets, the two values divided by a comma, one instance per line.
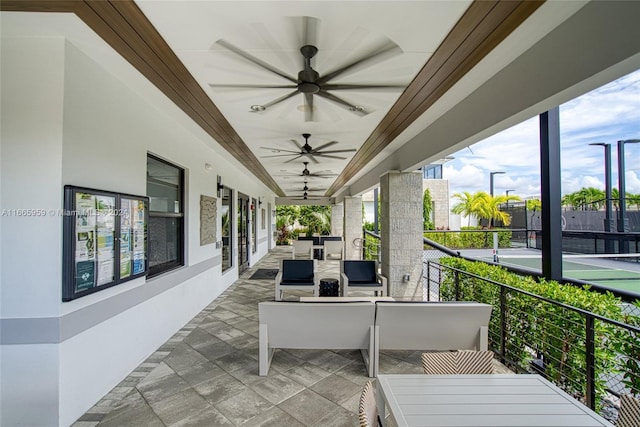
[503, 324]
[590, 367]
[456, 278]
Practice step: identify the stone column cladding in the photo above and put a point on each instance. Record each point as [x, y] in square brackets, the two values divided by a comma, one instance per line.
[352, 228]
[337, 220]
[401, 232]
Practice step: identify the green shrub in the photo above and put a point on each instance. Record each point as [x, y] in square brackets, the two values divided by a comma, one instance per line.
[534, 326]
[470, 240]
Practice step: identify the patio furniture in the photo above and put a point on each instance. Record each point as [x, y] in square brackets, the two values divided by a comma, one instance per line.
[361, 275]
[367, 410]
[431, 326]
[480, 400]
[629, 415]
[332, 250]
[457, 362]
[296, 325]
[302, 248]
[297, 274]
[329, 287]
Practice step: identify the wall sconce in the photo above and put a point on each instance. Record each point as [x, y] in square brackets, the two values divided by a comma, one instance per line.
[208, 167]
[259, 201]
[220, 186]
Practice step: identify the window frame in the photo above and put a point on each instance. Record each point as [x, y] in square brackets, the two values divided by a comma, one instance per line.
[180, 261]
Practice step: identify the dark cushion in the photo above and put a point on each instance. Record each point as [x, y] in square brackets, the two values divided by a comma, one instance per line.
[297, 283]
[367, 284]
[360, 271]
[297, 270]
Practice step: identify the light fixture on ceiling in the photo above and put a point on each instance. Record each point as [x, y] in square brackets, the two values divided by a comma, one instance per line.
[257, 108]
[208, 166]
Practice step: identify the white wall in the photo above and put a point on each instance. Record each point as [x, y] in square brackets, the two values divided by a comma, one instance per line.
[66, 121]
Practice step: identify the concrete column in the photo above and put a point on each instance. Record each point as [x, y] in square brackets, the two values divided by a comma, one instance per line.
[337, 220]
[401, 232]
[352, 228]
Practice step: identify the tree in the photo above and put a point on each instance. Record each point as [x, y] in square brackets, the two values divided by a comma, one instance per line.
[465, 205]
[317, 218]
[588, 198]
[487, 207]
[427, 208]
[286, 217]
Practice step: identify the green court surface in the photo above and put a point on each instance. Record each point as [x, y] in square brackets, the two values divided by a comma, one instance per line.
[616, 274]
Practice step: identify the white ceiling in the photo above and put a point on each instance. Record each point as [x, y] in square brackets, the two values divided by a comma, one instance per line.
[272, 31]
[562, 50]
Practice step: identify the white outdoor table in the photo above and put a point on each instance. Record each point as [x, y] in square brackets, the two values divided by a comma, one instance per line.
[480, 401]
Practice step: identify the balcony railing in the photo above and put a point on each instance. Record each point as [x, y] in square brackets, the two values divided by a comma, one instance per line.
[592, 357]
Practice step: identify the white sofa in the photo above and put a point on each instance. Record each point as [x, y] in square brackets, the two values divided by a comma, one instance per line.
[438, 326]
[340, 325]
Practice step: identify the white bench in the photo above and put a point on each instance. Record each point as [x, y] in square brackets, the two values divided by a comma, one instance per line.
[438, 326]
[341, 325]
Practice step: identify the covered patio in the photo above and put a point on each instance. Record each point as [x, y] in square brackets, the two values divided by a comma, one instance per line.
[207, 373]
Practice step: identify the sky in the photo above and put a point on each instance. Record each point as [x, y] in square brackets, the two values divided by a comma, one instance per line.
[607, 114]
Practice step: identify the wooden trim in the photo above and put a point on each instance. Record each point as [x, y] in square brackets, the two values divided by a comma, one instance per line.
[483, 26]
[128, 31]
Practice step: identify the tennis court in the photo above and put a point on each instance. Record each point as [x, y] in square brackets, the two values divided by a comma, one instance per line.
[604, 270]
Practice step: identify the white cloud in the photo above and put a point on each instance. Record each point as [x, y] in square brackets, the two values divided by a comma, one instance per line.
[607, 114]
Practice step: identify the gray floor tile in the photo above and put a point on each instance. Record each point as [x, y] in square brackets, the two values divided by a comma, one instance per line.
[179, 406]
[338, 418]
[162, 388]
[208, 417]
[307, 374]
[184, 357]
[201, 372]
[219, 388]
[243, 406]
[273, 417]
[237, 360]
[335, 388]
[277, 388]
[308, 407]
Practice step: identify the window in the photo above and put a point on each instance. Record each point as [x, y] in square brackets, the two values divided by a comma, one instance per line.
[227, 230]
[165, 188]
[254, 226]
[432, 172]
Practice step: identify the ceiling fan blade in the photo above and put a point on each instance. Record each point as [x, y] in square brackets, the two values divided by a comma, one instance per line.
[308, 107]
[255, 60]
[295, 158]
[346, 150]
[279, 155]
[383, 52]
[330, 156]
[386, 88]
[253, 86]
[298, 146]
[312, 157]
[280, 150]
[342, 102]
[328, 144]
[282, 98]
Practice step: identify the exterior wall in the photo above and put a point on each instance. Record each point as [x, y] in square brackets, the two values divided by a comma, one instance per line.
[352, 228]
[66, 121]
[401, 232]
[337, 220]
[439, 189]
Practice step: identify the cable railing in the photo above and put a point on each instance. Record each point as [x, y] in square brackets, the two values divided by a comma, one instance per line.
[593, 357]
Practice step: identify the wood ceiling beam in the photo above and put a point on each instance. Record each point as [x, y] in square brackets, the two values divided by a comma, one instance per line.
[481, 28]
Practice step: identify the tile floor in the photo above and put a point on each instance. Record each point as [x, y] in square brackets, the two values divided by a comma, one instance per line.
[207, 373]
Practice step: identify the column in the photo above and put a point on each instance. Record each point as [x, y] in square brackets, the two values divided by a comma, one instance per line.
[352, 228]
[337, 219]
[401, 233]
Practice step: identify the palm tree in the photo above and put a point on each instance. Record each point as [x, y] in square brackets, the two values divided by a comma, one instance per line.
[465, 205]
[488, 207]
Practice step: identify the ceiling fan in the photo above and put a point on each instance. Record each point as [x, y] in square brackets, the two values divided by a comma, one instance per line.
[307, 150]
[308, 174]
[308, 81]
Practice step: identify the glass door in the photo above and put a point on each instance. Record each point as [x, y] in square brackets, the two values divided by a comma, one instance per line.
[243, 232]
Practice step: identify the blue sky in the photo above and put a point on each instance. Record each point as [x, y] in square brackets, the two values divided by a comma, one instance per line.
[607, 114]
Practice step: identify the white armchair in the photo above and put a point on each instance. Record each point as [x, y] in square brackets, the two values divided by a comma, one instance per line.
[302, 248]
